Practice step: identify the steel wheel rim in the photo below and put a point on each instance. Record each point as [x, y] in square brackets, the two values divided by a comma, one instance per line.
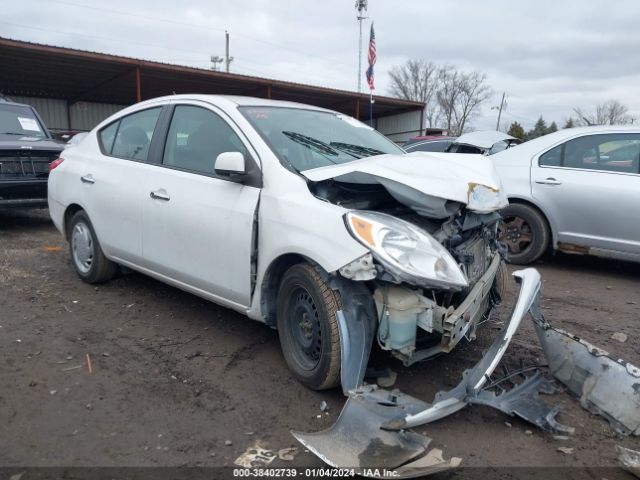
[82, 247]
[516, 233]
[303, 324]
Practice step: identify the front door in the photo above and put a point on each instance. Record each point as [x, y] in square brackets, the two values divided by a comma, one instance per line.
[198, 226]
[590, 187]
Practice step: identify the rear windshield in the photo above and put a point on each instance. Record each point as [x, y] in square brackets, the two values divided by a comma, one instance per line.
[306, 139]
[20, 121]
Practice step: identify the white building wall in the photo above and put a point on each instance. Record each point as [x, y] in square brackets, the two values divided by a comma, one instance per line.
[401, 126]
[84, 115]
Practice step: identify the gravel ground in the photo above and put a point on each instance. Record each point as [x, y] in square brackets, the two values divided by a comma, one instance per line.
[178, 381]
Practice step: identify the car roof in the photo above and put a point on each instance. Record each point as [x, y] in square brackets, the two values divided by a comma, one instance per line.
[235, 99]
[483, 138]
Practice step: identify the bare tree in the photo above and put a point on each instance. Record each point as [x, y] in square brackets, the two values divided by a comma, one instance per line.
[460, 96]
[473, 92]
[607, 113]
[416, 80]
[451, 97]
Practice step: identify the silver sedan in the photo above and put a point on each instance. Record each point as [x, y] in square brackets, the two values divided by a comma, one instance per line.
[576, 191]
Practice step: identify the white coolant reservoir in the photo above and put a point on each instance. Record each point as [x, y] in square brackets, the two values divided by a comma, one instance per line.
[401, 311]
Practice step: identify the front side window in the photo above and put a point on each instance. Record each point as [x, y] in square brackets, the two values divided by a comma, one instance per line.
[305, 139]
[611, 152]
[133, 137]
[19, 120]
[196, 137]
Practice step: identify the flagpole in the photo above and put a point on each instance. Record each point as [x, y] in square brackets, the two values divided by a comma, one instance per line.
[371, 108]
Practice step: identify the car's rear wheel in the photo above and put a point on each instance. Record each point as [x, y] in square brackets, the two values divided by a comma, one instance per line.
[525, 232]
[308, 328]
[86, 254]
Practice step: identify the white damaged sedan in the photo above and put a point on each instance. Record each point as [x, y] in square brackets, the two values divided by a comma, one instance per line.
[299, 217]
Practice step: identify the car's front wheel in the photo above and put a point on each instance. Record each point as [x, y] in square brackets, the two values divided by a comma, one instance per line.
[525, 232]
[86, 254]
[308, 328]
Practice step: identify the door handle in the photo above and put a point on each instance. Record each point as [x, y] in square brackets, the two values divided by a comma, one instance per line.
[549, 181]
[160, 195]
[87, 179]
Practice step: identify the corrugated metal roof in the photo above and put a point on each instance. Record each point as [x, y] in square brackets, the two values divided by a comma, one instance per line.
[38, 70]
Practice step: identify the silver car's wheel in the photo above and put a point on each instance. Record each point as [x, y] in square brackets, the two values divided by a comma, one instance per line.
[86, 254]
[524, 231]
[82, 247]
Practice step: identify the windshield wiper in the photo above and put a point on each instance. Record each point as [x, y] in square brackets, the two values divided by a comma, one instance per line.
[312, 143]
[15, 133]
[357, 151]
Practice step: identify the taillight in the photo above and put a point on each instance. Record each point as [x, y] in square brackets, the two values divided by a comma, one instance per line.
[55, 163]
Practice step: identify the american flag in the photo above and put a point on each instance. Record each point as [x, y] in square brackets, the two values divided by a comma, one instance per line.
[372, 58]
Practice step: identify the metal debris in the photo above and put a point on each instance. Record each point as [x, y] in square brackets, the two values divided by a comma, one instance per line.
[324, 406]
[287, 454]
[630, 460]
[255, 456]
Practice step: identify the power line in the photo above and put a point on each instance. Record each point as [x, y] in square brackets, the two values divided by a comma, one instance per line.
[119, 40]
[192, 25]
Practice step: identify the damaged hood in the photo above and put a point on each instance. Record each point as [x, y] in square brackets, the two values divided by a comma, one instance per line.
[433, 184]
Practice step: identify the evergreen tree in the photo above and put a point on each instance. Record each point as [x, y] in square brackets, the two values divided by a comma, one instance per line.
[538, 130]
[516, 130]
[569, 123]
[552, 128]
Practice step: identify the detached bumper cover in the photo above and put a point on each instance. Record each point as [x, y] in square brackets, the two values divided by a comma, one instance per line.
[370, 430]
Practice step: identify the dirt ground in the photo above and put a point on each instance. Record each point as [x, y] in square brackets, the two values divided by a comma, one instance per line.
[178, 381]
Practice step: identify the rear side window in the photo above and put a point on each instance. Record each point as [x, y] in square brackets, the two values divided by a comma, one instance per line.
[614, 152]
[196, 137]
[552, 158]
[132, 135]
[107, 135]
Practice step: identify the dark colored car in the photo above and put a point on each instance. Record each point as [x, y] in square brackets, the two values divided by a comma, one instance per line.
[434, 143]
[26, 150]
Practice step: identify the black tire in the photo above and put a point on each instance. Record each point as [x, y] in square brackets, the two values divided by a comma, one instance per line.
[86, 254]
[308, 328]
[525, 232]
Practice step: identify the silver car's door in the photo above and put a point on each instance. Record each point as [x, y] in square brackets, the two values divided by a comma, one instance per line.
[198, 227]
[112, 181]
[590, 187]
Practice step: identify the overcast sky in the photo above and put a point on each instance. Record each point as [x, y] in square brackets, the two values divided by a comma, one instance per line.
[548, 56]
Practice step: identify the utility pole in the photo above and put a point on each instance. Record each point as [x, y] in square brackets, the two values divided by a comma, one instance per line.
[499, 110]
[361, 7]
[228, 59]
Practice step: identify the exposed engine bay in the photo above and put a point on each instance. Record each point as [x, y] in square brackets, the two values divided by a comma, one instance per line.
[404, 303]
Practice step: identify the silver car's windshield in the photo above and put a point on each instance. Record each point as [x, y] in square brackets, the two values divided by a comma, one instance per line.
[306, 139]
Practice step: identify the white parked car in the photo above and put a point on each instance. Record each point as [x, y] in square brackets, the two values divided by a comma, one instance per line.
[576, 190]
[296, 216]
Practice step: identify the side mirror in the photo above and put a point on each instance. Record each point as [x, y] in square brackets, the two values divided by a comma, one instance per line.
[230, 164]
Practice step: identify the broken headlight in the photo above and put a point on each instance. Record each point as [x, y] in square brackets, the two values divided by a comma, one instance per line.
[483, 199]
[405, 249]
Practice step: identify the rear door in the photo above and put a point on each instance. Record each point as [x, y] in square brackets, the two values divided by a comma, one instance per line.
[114, 183]
[590, 187]
[198, 227]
